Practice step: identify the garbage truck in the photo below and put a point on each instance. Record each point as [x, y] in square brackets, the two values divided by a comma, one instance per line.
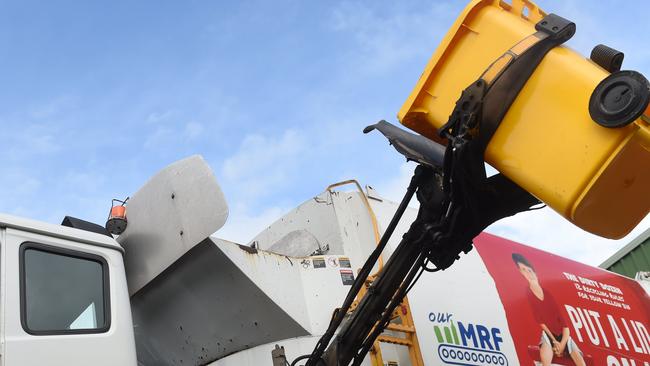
[73, 295]
[343, 278]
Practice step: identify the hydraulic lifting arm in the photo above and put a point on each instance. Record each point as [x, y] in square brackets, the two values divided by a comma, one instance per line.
[457, 199]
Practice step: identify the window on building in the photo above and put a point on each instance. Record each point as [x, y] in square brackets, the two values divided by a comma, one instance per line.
[63, 291]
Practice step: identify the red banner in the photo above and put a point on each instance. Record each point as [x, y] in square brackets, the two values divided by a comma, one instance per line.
[562, 312]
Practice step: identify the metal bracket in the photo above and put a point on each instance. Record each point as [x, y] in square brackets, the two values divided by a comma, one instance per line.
[279, 357]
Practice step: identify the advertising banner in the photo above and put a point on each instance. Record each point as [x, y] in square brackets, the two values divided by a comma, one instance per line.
[509, 304]
[565, 313]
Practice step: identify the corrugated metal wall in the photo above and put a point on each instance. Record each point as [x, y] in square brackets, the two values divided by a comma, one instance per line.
[637, 260]
[632, 258]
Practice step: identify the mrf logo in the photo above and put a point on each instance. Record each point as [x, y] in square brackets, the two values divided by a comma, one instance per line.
[467, 344]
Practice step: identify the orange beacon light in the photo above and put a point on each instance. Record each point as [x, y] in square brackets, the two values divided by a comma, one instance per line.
[116, 223]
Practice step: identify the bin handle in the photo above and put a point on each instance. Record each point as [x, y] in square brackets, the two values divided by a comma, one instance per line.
[525, 9]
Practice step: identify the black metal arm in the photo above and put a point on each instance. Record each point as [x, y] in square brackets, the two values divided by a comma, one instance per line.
[457, 200]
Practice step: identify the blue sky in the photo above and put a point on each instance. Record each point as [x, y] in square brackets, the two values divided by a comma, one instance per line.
[98, 96]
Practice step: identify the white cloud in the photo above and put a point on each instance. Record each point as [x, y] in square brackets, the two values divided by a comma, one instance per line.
[386, 41]
[23, 140]
[54, 107]
[261, 166]
[157, 117]
[394, 188]
[242, 225]
[165, 135]
[547, 230]
[44, 144]
[82, 181]
[263, 163]
[160, 137]
[18, 188]
[193, 130]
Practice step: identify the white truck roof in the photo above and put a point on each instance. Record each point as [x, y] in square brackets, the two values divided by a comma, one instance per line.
[59, 231]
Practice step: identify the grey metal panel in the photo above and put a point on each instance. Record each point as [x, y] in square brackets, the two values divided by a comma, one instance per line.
[297, 243]
[316, 216]
[203, 308]
[176, 209]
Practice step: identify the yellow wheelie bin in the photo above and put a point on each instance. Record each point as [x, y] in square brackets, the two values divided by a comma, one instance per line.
[592, 167]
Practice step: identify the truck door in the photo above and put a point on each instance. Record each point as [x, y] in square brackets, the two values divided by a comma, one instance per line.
[60, 303]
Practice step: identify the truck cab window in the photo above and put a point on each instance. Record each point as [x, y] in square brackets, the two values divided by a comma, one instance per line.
[63, 292]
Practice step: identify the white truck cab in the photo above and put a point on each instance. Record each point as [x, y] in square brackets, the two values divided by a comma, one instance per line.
[63, 297]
